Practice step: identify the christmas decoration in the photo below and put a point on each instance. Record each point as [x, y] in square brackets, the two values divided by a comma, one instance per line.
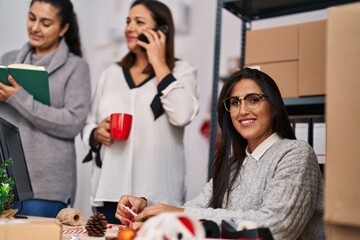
[6, 188]
[127, 234]
[171, 226]
[96, 225]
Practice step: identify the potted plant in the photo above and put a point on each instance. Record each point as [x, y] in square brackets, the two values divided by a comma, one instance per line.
[6, 191]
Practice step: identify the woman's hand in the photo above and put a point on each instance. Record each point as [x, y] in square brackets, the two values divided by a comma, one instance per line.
[136, 204]
[139, 205]
[156, 209]
[102, 133]
[156, 52]
[7, 91]
[155, 49]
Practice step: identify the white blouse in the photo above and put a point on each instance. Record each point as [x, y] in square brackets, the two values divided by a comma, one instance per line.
[151, 161]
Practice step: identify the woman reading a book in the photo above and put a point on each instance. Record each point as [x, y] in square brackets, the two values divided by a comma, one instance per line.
[160, 92]
[261, 173]
[48, 131]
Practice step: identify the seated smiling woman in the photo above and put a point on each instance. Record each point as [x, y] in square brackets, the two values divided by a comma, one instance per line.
[261, 173]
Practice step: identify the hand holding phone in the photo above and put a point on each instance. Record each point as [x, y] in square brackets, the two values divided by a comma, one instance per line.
[162, 28]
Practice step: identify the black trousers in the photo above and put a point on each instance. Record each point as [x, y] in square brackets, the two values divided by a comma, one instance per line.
[109, 210]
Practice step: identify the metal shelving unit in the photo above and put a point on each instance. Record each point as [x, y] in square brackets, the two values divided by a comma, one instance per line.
[251, 10]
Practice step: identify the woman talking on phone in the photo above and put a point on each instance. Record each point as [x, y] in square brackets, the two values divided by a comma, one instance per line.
[160, 92]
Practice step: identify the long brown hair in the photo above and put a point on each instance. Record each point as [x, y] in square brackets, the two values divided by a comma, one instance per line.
[162, 15]
[231, 153]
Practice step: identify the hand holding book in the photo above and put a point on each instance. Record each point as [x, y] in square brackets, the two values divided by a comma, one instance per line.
[6, 91]
[34, 79]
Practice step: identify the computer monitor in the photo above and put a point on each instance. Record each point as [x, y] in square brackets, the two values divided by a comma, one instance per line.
[11, 147]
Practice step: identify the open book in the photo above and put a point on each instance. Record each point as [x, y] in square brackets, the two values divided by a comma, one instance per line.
[34, 79]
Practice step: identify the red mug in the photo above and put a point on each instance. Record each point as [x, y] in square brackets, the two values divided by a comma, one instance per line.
[120, 125]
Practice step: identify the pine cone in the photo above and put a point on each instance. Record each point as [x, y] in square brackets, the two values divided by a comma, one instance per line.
[96, 225]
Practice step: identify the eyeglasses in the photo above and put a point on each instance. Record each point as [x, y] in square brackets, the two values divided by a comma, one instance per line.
[252, 101]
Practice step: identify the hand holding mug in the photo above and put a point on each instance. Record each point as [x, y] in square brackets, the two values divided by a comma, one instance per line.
[102, 133]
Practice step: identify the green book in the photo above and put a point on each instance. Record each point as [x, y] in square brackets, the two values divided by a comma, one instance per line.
[34, 79]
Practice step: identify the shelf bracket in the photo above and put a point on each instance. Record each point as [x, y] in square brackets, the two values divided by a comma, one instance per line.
[246, 25]
[215, 86]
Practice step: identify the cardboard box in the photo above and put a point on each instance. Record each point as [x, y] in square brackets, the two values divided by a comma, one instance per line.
[312, 44]
[272, 45]
[342, 178]
[302, 43]
[285, 75]
[343, 232]
[30, 229]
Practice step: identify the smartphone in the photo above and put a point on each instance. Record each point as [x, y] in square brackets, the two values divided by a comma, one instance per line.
[163, 28]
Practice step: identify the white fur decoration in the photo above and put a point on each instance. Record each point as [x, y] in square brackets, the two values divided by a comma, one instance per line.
[171, 226]
[244, 225]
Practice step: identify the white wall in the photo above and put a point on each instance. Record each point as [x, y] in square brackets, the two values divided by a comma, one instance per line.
[98, 17]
